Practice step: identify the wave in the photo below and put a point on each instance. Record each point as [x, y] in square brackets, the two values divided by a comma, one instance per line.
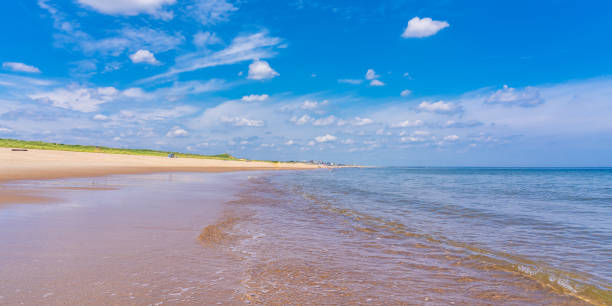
[577, 284]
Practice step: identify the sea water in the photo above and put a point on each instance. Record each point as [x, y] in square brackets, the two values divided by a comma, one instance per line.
[430, 235]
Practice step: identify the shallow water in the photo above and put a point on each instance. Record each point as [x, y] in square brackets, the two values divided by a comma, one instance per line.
[410, 235]
[346, 236]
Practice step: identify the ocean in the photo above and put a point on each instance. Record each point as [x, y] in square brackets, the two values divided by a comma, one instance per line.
[429, 235]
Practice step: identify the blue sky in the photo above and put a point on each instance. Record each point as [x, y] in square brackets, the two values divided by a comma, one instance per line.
[420, 83]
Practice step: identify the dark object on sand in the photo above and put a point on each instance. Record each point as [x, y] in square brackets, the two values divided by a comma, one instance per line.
[171, 155]
[19, 149]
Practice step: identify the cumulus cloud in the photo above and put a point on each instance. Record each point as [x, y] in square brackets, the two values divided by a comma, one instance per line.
[290, 142]
[376, 83]
[408, 123]
[144, 56]
[255, 98]
[405, 92]
[511, 97]
[177, 132]
[438, 107]
[362, 121]
[325, 121]
[371, 75]
[241, 121]
[129, 7]
[77, 98]
[412, 139]
[100, 117]
[20, 67]
[261, 70]
[310, 105]
[418, 28]
[301, 120]
[325, 138]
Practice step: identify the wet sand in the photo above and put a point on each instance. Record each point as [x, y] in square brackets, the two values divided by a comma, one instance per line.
[127, 239]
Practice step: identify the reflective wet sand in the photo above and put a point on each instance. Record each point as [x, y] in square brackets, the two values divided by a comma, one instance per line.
[117, 240]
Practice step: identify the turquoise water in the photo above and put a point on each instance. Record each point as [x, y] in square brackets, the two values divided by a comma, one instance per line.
[548, 228]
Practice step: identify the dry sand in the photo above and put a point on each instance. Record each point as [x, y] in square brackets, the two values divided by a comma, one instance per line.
[45, 164]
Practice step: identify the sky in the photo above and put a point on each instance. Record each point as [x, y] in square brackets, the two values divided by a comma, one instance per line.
[410, 83]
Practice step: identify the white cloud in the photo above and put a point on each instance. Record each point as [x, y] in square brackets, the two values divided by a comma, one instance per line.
[211, 11]
[4, 130]
[451, 137]
[162, 114]
[376, 83]
[409, 123]
[371, 75]
[131, 39]
[243, 48]
[412, 139]
[405, 92]
[261, 70]
[362, 121]
[129, 7]
[350, 81]
[348, 141]
[253, 98]
[21, 67]
[325, 121]
[310, 105]
[135, 92]
[511, 97]
[241, 121]
[425, 27]
[100, 117]
[325, 138]
[144, 56]
[203, 39]
[438, 107]
[177, 132]
[77, 98]
[290, 142]
[301, 120]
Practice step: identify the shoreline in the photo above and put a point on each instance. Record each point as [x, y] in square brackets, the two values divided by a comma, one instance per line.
[48, 164]
[35, 164]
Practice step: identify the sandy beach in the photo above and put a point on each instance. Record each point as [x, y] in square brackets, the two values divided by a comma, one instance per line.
[47, 164]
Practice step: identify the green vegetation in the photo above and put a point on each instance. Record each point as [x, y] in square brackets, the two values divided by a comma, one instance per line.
[23, 144]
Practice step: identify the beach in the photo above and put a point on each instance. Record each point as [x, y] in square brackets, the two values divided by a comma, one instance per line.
[111, 229]
[49, 164]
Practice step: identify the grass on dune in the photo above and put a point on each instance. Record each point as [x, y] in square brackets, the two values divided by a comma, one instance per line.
[39, 145]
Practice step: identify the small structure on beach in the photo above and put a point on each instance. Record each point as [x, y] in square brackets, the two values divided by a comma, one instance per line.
[171, 155]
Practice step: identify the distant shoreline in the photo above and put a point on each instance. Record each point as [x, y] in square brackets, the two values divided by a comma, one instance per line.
[49, 164]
